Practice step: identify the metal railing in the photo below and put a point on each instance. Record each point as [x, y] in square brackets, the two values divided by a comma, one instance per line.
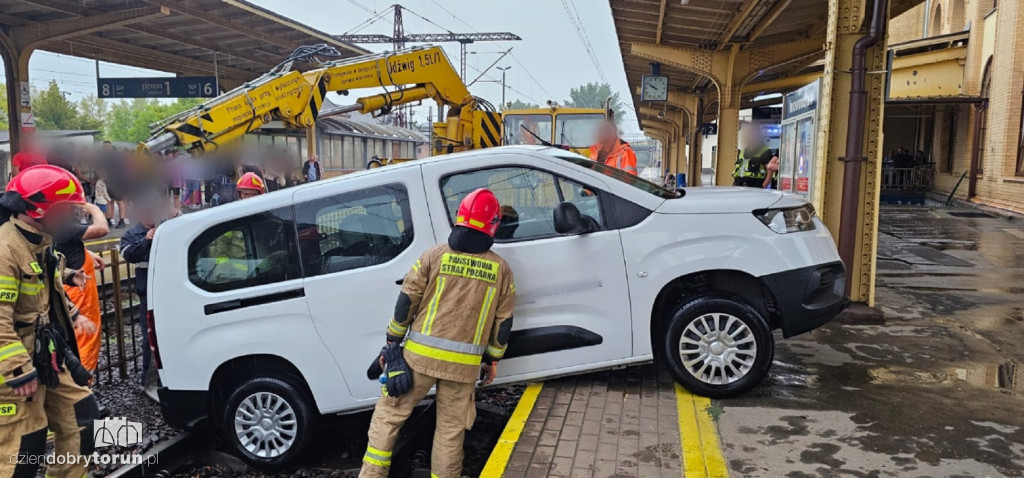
[120, 310]
[917, 178]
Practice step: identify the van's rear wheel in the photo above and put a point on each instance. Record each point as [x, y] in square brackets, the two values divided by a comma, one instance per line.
[718, 346]
[268, 421]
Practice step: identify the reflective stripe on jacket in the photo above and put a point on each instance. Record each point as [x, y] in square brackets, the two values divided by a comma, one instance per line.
[25, 299]
[459, 300]
[742, 169]
[620, 157]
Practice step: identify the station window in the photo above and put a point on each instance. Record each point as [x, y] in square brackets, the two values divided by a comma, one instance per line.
[1020, 143]
[354, 230]
[247, 252]
[528, 198]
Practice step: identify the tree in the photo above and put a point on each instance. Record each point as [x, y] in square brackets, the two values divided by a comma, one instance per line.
[593, 95]
[52, 110]
[521, 105]
[92, 112]
[129, 121]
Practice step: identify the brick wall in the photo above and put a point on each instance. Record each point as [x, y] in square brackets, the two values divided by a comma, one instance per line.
[1000, 186]
[908, 26]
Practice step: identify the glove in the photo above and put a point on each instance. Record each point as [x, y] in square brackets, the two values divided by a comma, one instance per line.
[398, 375]
[490, 371]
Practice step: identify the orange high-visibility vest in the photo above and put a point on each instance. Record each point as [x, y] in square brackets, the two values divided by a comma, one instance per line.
[621, 157]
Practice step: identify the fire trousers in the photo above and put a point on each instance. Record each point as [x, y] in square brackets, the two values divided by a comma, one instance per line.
[456, 411]
[68, 410]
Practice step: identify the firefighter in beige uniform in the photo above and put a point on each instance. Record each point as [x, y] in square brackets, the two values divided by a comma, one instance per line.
[43, 388]
[455, 314]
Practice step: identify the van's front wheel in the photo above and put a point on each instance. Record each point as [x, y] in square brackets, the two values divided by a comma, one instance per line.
[718, 346]
[268, 421]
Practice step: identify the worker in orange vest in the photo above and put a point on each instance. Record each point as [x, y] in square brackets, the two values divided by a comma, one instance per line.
[612, 151]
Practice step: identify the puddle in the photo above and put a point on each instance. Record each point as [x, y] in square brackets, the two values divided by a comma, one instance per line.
[1005, 377]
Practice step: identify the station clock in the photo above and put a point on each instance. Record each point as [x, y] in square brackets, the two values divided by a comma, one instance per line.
[654, 88]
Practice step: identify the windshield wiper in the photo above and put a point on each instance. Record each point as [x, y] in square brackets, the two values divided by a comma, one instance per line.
[542, 140]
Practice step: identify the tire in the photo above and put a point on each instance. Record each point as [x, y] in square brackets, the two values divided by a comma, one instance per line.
[707, 365]
[286, 411]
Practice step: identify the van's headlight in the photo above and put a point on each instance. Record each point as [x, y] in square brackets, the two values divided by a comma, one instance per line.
[787, 220]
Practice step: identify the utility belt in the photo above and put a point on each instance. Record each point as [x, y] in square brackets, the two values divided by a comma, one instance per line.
[53, 356]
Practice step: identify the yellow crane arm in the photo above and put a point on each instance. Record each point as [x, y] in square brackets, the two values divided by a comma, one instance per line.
[295, 98]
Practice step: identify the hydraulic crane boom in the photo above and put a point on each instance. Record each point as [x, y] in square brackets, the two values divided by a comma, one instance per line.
[295, 98]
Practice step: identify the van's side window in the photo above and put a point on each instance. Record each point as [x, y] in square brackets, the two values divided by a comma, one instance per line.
[353, 230]
[254, 250]
[528, 198]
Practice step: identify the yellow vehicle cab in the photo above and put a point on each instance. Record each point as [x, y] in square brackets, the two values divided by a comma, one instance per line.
[558, 125]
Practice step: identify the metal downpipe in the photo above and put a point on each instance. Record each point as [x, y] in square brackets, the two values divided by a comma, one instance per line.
[850, 208]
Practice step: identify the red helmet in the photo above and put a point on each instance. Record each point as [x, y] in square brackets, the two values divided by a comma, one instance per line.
[479, 210]
[45, 186]
[251, 181]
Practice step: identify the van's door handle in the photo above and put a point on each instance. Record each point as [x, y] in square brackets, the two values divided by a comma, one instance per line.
[400, 281]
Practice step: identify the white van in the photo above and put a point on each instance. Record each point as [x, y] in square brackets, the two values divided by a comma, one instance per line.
[266, 312]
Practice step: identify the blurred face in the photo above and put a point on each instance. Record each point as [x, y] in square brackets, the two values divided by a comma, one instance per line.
[607, 133]
[751, 136]
[60, 218]
[247, 193]
[108, 146]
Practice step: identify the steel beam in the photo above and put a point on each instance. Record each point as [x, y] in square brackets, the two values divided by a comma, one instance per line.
[207, 17]
[768, 19]
[737, 19]
[846, 26]
[30, 36]
[328, 39]
[780, 84]
[661, 21]
[173, 61]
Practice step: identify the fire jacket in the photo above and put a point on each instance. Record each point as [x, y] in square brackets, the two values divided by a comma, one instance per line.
[26, 296]
[459, 302]
[620, 157]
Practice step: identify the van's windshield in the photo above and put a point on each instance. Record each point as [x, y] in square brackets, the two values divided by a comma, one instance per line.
[636, 182]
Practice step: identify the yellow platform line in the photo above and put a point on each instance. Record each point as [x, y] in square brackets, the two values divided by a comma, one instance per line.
[502, 452]
[702, 449]
[102, 241]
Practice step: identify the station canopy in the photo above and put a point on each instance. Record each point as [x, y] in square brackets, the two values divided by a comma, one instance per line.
[715, 25]
[177, 36]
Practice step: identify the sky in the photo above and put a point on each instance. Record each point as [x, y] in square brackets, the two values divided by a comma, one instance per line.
[549, 60]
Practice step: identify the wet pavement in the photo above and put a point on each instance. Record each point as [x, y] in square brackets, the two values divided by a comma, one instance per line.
[935, 388]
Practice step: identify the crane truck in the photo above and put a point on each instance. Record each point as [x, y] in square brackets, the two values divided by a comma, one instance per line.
[295, 97]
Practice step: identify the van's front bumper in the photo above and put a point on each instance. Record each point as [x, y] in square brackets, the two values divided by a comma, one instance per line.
[808, 297]
[183, 408]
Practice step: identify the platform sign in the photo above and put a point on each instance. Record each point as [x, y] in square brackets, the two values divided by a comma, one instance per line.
[28, 122]
[26, 95]
[766, 113]
[169, 87]
[799, 135]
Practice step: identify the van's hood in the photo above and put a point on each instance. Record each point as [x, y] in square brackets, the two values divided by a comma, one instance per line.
[717, 200]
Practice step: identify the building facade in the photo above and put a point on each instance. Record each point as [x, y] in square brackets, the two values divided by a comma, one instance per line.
[956, 96]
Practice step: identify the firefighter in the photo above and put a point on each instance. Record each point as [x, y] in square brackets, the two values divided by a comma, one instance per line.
[249, 185]
[611, 150]
[455, 316]
[753, 159]
[40, 387]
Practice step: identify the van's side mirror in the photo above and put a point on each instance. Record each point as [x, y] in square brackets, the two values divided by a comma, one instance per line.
[569, 221]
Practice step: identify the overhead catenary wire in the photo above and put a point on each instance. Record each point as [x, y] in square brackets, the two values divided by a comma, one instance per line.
[521, 65]
[581, 32]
